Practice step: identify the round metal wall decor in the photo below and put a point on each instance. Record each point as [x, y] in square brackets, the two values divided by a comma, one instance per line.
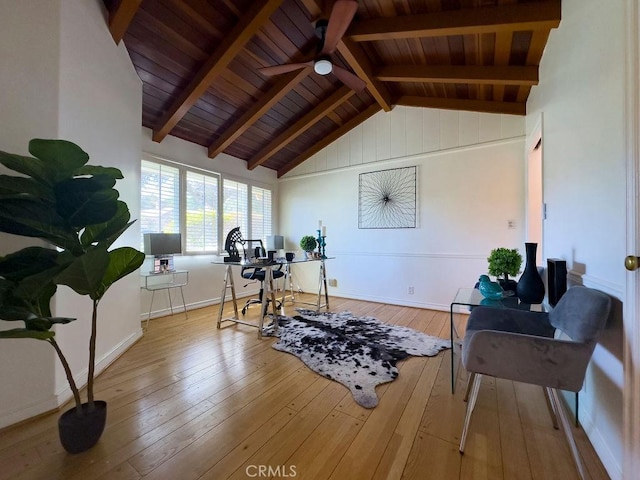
[387, 199]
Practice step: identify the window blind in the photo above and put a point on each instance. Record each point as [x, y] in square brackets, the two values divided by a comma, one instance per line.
[201, 212]
[159, 199]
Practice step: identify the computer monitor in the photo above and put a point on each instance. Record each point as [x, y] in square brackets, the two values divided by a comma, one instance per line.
[162, 246]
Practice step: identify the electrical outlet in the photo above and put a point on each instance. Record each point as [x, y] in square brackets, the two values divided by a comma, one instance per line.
[410, 290]
[511, 224]
[333, 282]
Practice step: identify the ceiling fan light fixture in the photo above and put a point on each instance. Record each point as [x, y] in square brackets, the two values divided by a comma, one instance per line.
[322, 66]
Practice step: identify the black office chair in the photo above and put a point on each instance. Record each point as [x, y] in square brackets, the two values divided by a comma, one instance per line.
[254, 273]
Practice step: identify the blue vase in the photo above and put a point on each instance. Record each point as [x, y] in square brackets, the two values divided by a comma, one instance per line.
[530, 286]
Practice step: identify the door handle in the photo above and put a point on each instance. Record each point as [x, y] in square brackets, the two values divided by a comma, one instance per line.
[632, 263]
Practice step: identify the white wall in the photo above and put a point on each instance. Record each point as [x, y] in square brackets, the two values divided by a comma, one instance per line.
[470, 184]
[205, 279]
[63, 77]
[581, 101]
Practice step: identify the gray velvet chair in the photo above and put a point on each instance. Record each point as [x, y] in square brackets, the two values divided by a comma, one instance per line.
[523, 346]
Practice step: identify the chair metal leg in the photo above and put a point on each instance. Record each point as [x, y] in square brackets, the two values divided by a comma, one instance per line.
[470, 406]
[472, 376]
[566, 426]
[550, 406]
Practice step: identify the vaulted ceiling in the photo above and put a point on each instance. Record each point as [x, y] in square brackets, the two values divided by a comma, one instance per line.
[200, 63]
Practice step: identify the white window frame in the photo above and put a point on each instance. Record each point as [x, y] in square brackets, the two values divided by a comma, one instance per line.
[183, 168]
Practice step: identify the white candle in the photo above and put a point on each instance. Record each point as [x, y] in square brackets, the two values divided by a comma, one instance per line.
[324, 231]
[319, 224]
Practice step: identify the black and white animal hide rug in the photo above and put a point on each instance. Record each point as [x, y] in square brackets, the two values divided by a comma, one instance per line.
[358, 352]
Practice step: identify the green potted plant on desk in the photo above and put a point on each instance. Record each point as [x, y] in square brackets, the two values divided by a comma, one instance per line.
[74, 208]
[308, 244]
[502, 263]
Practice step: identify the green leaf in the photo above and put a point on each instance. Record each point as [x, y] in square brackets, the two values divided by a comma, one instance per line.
[29, 166]
[109, 231]
[26, 262]
[11, 185]
[84, 201]
[24, 333]
[95, 170]
[122, 262]
[84, 275]
[61, 158]
[42, 324]
[31, 218]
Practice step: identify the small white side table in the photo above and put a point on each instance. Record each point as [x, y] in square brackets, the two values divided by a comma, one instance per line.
[165, 281]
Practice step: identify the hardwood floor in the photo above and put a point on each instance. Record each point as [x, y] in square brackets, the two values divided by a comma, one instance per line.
[189, 401]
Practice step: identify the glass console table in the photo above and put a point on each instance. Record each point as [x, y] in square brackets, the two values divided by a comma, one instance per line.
[165, 281]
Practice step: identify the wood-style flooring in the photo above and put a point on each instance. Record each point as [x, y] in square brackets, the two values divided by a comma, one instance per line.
[189, 401]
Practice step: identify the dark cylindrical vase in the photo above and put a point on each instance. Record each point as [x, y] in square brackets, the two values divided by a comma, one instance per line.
[81, 432]
[530, 285]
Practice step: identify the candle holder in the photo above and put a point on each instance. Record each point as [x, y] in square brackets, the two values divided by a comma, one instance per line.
[321, 244]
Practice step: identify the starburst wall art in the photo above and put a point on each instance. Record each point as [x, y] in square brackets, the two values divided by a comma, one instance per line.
[387, 199]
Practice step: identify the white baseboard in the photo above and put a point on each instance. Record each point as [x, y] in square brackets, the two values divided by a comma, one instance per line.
[608, 459]
[56, 400]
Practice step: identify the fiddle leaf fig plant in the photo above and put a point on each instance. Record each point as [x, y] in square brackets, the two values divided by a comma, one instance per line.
[74, 208]
[504, 262]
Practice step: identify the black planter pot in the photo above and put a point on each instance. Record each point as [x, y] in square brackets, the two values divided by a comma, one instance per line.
[81, 432]
[531, 286]
[508, 285]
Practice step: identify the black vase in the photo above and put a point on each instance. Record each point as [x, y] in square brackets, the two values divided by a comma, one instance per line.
[81, 432]
[530, 285]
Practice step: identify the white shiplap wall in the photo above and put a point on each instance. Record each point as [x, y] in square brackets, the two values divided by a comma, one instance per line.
[470, 184]
[407, 131]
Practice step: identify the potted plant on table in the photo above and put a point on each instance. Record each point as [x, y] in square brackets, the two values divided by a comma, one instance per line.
[502, 263]
[308, 244]
[73, 207]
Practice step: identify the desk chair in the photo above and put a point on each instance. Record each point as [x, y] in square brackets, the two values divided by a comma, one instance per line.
[519, 345]
[258, 274]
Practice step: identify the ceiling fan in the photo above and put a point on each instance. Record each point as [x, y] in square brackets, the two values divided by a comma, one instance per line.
[329, 34]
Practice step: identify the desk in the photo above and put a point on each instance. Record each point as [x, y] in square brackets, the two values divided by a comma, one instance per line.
[471, 297]
[269, 290]
[165, 281]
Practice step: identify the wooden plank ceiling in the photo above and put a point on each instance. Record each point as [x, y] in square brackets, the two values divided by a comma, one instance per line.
[199, 62]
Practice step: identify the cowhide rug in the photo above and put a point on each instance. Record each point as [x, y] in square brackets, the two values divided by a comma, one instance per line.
[358, 352]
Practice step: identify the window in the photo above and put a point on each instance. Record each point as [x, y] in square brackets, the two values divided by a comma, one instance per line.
[201, 206]
[201, 213]
[159, 198]
[235, 205]
[260, 212]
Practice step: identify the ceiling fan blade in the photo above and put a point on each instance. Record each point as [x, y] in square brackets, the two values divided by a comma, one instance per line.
[341, 16]
[288, 67]
[349, 79]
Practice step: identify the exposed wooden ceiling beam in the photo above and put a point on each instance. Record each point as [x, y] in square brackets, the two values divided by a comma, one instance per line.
[487, 106]
[307, 120]
[262, 106]
[256, 16]
[502, 18]
[479, 75]
[361, 65]
[332, 137]
[120, 18]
